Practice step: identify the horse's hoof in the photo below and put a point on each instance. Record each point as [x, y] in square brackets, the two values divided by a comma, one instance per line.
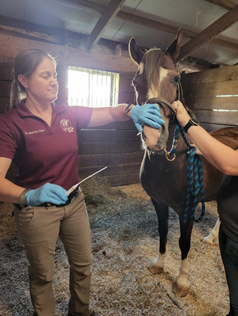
[155, 270]
[180, 290]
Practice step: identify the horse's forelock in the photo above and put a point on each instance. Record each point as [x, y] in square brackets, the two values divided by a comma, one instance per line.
[152, 62]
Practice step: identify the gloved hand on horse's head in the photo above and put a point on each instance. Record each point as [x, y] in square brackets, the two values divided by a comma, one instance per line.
[148, 114]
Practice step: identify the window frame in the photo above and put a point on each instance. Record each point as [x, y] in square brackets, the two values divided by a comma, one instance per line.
[91, 100]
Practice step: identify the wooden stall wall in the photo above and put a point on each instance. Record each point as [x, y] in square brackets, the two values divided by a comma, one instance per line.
[213, 96]
[5, 85]
[126, 90]
[115, 145]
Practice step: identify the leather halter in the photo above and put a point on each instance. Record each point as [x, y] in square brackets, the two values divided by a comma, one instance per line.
[162, 102]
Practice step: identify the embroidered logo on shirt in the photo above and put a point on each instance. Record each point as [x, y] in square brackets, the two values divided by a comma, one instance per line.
[66, 125]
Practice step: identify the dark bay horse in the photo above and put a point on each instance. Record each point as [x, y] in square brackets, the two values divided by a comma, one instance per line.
[166, 181]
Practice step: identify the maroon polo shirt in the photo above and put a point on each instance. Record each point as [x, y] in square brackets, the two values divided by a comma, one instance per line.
[43, 153]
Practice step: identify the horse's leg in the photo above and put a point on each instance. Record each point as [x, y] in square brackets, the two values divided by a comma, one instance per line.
[181, 286]
[162, 211]
[212, 238]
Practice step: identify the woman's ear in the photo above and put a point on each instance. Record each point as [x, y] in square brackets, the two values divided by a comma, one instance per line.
[23, 80]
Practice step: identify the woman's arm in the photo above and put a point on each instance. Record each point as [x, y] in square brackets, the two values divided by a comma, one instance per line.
[102, 116]
[9, 192]
[148, 114]
[219, 155]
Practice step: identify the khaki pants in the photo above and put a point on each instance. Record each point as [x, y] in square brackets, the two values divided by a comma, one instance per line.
[39, 228]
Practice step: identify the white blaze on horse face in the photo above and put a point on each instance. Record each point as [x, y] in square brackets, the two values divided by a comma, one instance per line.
[153, 92]
[152, 134]
[141, 68]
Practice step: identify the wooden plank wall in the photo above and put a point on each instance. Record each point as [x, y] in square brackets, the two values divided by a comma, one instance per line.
[213, 96]
[126, 90]
[5, 85]
[115, 145]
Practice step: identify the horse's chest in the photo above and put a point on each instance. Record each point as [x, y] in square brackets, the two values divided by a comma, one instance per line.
[163, 180]
[158, 167]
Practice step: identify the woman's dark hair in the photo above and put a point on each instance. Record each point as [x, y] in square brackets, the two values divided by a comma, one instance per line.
[25, 64]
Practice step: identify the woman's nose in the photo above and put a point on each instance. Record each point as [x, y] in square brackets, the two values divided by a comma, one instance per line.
[54, 82]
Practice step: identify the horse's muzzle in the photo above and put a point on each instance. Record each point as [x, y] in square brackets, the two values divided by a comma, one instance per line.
[154, 139]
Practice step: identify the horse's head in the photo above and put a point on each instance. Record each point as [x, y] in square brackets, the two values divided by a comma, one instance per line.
[157, 81]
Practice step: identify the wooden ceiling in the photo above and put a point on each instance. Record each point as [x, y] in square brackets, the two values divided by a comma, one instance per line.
[96, 19]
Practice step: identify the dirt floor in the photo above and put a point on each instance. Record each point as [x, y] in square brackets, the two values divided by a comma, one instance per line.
[124, 242]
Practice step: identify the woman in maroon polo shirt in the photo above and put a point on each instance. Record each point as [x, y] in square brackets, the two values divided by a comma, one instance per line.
[41, 139]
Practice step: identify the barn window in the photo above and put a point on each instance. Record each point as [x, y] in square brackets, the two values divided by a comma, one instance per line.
[93, 88]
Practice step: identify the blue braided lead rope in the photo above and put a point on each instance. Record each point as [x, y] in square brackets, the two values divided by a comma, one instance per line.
[175, 140]
[194, 179]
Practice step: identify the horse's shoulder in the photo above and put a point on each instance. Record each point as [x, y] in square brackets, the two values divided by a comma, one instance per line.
[225, 131]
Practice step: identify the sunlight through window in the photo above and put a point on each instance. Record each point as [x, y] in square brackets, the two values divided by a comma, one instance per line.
[93, 88]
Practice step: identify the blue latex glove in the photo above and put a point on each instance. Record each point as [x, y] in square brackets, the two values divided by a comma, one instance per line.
[148, 114]
[47, 193]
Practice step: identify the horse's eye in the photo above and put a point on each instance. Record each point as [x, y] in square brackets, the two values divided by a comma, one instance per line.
[175, 80]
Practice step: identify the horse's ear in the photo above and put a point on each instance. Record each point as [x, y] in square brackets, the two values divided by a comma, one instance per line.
[135, 52]
[174, 48]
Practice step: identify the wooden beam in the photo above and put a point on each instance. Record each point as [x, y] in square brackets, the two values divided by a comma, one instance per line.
[8, 32]
[170, 29]
[108, 15]
[153, 24]
[100, 58]
[147, 22]
[209, 33]
[226, 4]
[130, 17]
[38, 32]
[85, 4]
[30, 26]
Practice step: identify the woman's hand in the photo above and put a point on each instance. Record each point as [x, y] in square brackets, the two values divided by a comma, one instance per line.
[148, 114]
[181, 113]
[47, 193]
